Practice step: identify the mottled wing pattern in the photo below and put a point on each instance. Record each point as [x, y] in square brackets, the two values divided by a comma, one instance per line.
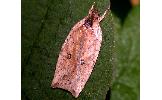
[77, 58]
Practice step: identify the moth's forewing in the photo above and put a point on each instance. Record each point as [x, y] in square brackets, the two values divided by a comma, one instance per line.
[78, 56]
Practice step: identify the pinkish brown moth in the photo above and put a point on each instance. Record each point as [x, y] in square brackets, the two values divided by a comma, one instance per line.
[79, 54]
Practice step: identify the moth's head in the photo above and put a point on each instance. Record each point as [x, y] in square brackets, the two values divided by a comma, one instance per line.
[93, 14]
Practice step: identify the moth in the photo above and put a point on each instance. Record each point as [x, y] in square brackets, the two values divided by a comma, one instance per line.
[79, 53]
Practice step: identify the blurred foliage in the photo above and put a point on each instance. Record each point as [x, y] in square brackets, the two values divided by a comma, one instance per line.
[121, 8]
[126, 85]
[135, 2]
[45, 25]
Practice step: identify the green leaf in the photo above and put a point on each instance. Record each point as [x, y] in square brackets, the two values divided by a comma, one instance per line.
[45, 25]
[127, 82]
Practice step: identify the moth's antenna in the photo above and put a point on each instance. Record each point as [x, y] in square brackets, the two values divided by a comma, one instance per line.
[92, 7]
[107, 10]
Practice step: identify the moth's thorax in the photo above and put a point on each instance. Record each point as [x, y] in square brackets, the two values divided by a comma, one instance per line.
[90, 29]
[91, 22]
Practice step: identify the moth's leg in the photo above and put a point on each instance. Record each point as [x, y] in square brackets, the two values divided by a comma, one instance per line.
[103, 16]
